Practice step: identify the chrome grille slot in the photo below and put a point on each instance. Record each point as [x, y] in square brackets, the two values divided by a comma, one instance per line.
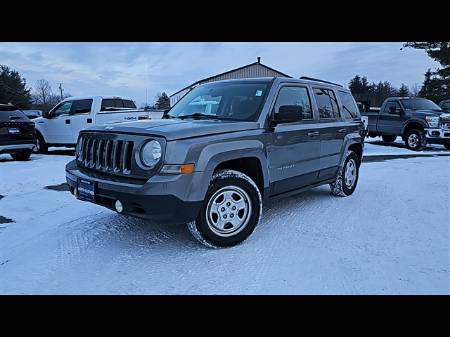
[107, 154]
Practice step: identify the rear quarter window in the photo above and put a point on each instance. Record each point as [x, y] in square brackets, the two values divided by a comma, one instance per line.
[349, 107]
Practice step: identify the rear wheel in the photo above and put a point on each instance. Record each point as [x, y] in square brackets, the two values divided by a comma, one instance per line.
[230, 212]
[347, 177]
[415, 139]
[388, 139]
[22, 155]
[41, 145]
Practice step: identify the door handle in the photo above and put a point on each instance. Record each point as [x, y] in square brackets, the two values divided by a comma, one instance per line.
[313, 133]
[89, 120]
[342, 130]
[67, 121]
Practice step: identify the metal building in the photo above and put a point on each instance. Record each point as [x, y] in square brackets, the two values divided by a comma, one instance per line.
[256, 69]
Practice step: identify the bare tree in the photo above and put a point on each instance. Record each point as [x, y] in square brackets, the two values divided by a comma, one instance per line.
[43, 92]
[414, 90]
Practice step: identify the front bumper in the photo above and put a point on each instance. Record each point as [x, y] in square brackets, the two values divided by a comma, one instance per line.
[169, 199]
[437, 135]
[16, 147]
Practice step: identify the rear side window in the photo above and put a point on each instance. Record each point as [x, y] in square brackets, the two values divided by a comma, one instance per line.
[446, 105]
[349, 108]
[326, 103]
[295, 96]
[111, 104]
[129, 104]
[81, 106]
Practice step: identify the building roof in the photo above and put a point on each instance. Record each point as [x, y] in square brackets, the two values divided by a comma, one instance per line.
[230, 71]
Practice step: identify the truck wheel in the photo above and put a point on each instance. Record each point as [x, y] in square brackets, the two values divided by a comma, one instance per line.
[41, 145]
[230, 212]
[415, 140]
[347, 177]
[22, 155]
[389, 139]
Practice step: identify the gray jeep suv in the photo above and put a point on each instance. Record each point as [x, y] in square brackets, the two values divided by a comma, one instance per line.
[221, 151]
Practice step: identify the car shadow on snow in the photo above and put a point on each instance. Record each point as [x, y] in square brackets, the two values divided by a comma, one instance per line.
[125, 231]
[428, 148]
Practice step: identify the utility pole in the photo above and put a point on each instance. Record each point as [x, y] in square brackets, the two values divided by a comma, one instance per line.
[61, 90]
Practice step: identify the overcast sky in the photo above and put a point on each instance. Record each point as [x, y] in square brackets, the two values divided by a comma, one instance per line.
[129, 69]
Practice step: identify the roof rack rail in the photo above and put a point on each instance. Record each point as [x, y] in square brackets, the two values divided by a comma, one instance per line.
[317, 80]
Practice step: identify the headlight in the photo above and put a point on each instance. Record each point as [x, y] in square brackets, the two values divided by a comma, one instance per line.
[433, 122]
[151, 153]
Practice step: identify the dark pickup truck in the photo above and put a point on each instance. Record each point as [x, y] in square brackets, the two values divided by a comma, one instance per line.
[16, 132]
[417, 120]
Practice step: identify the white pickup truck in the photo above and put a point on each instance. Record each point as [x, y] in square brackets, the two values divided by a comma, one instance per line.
[62, 124]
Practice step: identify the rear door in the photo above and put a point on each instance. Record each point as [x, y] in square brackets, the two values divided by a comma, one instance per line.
[332, 131]
[80, 117]
[294, 152]
[391, 119]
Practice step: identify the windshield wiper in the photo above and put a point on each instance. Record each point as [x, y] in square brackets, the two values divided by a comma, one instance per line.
[199, 116]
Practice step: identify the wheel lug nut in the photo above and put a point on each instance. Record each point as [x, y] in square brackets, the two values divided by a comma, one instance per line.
[224, 216]
[223, 209]
[228, 203]
[233, 208]
[231, 215]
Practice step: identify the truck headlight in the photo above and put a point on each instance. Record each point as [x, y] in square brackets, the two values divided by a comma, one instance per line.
[433, 122]
[151, 153]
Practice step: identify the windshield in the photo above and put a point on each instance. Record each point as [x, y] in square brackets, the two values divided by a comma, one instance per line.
[228, 101]
[419, 104]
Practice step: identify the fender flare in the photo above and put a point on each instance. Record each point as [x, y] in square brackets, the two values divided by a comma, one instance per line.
[415, 120]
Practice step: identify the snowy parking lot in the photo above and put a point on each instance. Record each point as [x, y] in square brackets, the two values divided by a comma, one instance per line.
[390, 237]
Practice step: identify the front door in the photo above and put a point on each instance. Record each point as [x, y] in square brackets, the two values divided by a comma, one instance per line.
[57, 128]
[81, 117]
[294, 153]
[391, 119]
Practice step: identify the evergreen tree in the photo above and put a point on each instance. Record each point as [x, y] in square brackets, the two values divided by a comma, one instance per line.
[162, 101]
[436, 85]
[403, 91]
[13, 88]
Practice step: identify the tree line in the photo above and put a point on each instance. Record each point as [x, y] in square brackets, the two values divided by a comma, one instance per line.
[436, 84]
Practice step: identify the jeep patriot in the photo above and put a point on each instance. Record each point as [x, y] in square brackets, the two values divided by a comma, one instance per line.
[221, 151]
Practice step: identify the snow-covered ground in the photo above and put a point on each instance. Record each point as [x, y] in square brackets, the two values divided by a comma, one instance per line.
[390, 237]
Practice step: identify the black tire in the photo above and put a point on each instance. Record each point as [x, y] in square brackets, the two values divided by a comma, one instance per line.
[340, 187]
[389, 139]
[415, 139]
[223, 182]
[447, 145]
[41, 145]
[22, 155]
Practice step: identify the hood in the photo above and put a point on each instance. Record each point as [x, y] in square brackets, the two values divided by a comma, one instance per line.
[173, 129]
[423, 113]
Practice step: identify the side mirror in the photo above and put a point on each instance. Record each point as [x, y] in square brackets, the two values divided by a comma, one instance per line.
[47, 114]
[288, 114]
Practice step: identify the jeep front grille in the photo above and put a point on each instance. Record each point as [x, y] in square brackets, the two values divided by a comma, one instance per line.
[106, 155]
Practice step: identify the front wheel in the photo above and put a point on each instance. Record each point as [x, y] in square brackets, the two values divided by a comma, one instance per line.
[415, 140]
[347, 177]
[230, 212]
[41, 146]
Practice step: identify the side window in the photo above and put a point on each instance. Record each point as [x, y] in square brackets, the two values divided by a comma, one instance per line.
[128, 104]
[389, 106]
[297, 98]
[350, 109]
[446, 105]
[326, 103]
[81, 106]
[111, 104]
[63, 109]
